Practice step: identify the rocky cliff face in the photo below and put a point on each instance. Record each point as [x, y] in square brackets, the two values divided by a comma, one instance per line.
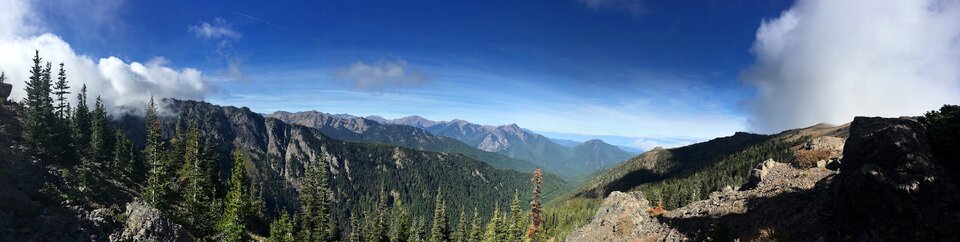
[889, 187]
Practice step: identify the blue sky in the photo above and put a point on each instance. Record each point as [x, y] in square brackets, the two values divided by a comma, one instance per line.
[656, 72]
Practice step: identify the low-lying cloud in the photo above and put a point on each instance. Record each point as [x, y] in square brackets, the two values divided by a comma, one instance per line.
[382, 76]
[118, 82]
[828, 61]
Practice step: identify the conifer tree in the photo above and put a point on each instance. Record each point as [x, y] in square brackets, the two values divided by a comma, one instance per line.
[378, 228]
[316, 224]
[197, 178]
[440, 229]
[101, 136]
[463, 232]
[418, 231]
[516, 225]
[355, 229]
[233, 222]
[123, 155]
[158, 176]
[81, 123]
[494, 231]
[61, 91]
[39, 121]
[400, 220]
[476, 227]
[281, 230]
[536, 215]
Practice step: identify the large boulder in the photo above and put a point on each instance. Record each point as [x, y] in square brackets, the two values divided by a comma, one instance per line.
[758, 174]
[145, 223]
[890, 187]
[624, 217]
[5, 89]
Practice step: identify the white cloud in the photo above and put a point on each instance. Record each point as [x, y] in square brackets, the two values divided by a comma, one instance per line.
[119, 82]
[382, 76]
[828, 61]
[635, 7]
[648, 143]
[218, 29]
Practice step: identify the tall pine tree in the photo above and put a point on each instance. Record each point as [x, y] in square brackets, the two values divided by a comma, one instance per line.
[158, 173]
[536, 213]
[400, 220]
[517, 224]
[233, 222]
[440, 230]
[463, 232]
[315, 223]
[476, 227]
[495, 231]
[61, 90]
[81, 124]
[418, 231]
[40, 118]
[101, 136]
[281, 230]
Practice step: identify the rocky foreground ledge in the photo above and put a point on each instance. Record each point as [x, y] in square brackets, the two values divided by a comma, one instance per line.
[888, 187]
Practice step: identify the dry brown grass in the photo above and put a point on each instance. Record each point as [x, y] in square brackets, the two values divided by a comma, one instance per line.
[656, 211]
[809, 158]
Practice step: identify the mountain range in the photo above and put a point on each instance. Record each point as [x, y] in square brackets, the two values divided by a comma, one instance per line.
[569, 159]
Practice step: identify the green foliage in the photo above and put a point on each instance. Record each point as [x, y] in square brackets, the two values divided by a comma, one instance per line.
[418, 231]
[732, 170]
[476, 228]
[356, 233]
[81, 123]
[440, 229]
[517, 223]
[157, 188]
[199, 205]
[61, 90]
[315, 222]
[101, 136]
[400, 220]
[281, 229]
[462, 233]
[562, 216]
[233, 223]
[38, 125]
[943, 130]
[495, 230]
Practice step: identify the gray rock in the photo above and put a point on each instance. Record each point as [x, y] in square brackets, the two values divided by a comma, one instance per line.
[624, 217]
[890, 187]
[5, 89]
[145, 223]
[758, 174]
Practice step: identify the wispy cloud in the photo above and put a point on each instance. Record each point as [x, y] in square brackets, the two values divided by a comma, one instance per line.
[382, 76]
[218, 29]
[635, 7]
[223, 33]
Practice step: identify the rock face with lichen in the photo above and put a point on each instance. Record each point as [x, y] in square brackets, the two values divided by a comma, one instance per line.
[625, 217]
[145, 223]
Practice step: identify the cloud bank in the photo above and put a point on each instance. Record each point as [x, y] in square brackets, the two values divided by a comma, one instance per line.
[828, 61]
[119, 82]
[382, 76]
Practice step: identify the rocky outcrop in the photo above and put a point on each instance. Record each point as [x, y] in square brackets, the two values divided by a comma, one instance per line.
[758, 174]
[890, 186]
[624, 217]
[5, 89]
[145, 223]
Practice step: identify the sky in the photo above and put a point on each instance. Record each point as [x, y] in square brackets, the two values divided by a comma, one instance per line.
[638, 73]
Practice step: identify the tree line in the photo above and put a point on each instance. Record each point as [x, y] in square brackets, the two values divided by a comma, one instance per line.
[180, 176]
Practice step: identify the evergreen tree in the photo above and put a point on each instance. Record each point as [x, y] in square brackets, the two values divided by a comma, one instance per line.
[440, 229]
[494, 231]
[38, 123]
[197, 181]
[123, 155]
[476, 227]
[81, 123]
[61, 90]
[158, 176]
[316, 224]
[233, 222]
[400, 220]
[418, 231]
[536, 214]
[463, 233]
[101, 136]
[378, 228]
[281, 230]
[355, 229]
[516, 224]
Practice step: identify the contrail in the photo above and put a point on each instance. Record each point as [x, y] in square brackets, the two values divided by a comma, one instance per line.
[275, 26]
